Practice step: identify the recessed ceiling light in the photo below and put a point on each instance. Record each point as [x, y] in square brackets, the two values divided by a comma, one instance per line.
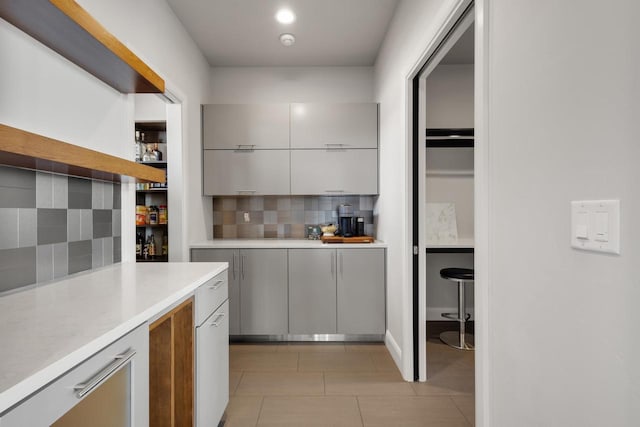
[285, 16]
[287, 39]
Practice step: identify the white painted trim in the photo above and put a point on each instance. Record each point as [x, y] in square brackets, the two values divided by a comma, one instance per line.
[176, 134]
[483, 223]
[450, 21]
[395, 351]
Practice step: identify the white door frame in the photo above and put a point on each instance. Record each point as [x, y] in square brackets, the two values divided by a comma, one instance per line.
[481, 198]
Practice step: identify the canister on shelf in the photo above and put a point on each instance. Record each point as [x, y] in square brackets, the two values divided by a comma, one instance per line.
[141, 215]
[162, 214]
[153, 215]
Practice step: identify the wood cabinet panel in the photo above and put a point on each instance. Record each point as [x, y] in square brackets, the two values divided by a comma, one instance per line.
[171, 363]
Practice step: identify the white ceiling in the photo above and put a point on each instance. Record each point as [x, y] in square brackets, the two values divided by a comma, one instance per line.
[245, 32]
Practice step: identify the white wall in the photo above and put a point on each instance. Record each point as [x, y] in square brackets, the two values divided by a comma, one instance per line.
[563, 112]
[237, 85]
[149, 107]
[414, 25]
[449, 96]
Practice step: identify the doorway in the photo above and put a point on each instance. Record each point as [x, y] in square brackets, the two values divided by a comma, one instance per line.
[442, 155]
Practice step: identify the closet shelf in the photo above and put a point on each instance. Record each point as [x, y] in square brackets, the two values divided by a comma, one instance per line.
[28, 150]
[65, 27]
[449, 137]
[461, 172]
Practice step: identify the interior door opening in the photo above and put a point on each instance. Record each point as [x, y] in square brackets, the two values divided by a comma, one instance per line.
[443, 190]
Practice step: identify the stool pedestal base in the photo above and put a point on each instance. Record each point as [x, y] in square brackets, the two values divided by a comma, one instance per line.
[452, 338]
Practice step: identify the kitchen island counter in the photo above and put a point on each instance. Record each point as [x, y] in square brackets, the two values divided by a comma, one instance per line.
[49, 329]
[281, 244]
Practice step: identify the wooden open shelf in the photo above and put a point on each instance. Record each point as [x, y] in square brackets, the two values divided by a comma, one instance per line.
[32, 151]
[65, 27]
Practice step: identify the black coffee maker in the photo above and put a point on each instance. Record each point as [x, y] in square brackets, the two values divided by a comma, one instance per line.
[345, 220]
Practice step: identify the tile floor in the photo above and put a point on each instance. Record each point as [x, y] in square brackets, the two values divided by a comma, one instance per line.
[346, 385]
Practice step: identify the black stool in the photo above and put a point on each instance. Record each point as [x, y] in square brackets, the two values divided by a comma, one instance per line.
[458, 339]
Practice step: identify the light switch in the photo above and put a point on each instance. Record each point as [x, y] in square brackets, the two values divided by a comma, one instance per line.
[595, 225]
[602, 227]
[582, 232]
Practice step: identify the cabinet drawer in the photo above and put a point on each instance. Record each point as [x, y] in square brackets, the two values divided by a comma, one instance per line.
[210, 296]
[57, 398]
[212, 368]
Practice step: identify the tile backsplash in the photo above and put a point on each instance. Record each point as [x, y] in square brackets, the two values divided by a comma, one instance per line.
[283, 217]
[54, 225]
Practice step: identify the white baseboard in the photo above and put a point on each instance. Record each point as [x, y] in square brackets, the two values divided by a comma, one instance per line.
[394, 349]
[435, 313]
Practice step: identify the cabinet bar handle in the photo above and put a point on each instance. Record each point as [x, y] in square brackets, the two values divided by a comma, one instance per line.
[242, 266]
[334, 191]
[328, 144]
[245, 147]
[341, 265]
[247, 191]
[233, 265]
[217, 320]
[216, 285]
[333, 267]
[120, 360]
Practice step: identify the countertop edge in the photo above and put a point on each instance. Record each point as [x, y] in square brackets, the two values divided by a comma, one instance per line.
[32, 384]
[280, 244]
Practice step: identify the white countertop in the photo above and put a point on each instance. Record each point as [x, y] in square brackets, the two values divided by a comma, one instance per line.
[280, 244]
[47, 330]
[461, 243]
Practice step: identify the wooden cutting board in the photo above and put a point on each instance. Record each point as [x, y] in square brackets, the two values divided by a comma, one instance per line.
[340, 239]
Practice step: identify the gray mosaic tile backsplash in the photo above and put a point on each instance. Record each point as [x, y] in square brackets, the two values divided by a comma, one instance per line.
[283, 217]
[53, 225]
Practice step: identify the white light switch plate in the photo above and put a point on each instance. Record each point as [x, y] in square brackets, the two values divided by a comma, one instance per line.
[595, 225]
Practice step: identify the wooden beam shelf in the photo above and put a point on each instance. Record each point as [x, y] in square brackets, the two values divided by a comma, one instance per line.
[65, 27]
[28, 150]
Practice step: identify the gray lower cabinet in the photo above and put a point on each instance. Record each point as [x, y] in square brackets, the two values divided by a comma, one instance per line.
[303, 291]
[230, 256]
[312, 291]
[361, 291]
[263, 292]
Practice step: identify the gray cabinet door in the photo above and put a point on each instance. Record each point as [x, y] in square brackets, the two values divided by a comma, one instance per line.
[312, 291]
[326, 172]
[245, 172]
[231, 126]
[263, 292]
[361, 291]
[230, 256]
[353, 125]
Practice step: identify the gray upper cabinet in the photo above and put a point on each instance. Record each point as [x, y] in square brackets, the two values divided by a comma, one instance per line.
[327, 172]
[245, 172]
[312, 291]
[263, 292]
[361, 291]
[257, 126]
[331, 125]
